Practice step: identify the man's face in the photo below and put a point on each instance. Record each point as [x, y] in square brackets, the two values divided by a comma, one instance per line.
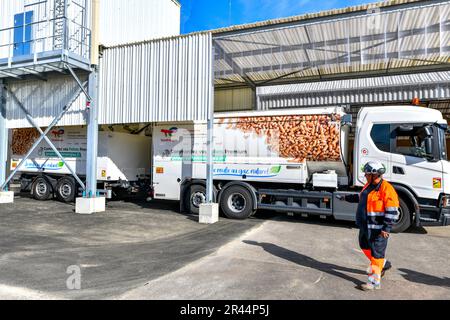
[370, 177]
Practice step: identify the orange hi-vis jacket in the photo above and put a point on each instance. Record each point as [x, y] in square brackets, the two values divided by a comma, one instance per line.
[382, 207]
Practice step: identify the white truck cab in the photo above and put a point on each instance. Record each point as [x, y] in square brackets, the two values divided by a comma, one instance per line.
[410, 142]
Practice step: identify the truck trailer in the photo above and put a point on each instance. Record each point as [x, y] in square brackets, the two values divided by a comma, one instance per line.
[301, 160]
[123, 163]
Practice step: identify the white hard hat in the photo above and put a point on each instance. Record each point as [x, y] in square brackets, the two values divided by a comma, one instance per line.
[374, 167]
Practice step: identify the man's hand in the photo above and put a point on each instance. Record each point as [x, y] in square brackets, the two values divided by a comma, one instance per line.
[385, 234]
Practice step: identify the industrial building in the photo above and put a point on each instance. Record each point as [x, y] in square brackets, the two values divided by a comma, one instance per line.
[72, 61]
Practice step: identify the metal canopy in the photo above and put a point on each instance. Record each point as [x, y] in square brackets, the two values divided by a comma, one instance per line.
[389, 39]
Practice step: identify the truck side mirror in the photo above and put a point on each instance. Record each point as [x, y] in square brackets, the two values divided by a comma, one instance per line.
[429, 145]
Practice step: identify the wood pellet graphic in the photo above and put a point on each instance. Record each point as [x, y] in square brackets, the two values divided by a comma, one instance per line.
[299, 138]
[22, 140]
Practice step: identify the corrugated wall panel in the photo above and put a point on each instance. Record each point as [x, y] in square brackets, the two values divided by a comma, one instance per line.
[234, 99]
[45, 100]
[163, 80]
[427, 86]
[126, 21]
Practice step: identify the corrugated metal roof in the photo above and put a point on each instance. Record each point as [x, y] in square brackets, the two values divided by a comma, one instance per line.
[407, 37]
[389, 89]
[309, 16]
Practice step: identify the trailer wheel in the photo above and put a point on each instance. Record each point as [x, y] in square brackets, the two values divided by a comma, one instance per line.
[41, 189]
[237, 203]
[404, 221]
[195, 196]
[65, 190]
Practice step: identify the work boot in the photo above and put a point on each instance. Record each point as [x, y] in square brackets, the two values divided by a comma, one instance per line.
[369, 287]
[387, 266]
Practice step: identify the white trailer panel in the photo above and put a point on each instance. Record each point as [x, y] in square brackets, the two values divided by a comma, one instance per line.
[121, 156]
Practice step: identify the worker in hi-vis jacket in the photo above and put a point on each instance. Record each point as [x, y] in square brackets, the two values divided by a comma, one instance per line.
[377, 210]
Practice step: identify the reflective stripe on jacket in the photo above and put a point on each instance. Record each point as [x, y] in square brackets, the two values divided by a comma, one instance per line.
[382, 207]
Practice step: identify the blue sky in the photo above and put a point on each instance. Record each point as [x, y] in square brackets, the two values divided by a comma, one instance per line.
[212, 14]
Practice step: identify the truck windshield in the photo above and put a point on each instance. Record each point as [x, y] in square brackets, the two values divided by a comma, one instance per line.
[418, 141]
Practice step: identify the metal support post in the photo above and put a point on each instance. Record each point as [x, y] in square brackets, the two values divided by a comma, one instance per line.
[210, 137]
[209, 211]
[92, 137]
[3, 137]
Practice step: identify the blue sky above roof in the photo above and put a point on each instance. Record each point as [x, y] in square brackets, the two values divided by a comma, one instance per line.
[200, 15]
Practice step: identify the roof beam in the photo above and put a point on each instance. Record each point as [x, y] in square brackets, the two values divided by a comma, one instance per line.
[344, 60]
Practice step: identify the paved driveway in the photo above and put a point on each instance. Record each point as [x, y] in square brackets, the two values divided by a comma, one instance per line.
[115, 251]
[152, 252]
[290, 258]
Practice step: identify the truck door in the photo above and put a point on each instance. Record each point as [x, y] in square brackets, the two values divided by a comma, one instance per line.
[413, 163]
[374, 144]
[171, 160]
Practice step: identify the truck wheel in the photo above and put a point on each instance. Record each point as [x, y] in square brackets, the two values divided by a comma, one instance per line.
[195, 196]
[41, 189]
[65, 190]
[404, 221]
[237, 203]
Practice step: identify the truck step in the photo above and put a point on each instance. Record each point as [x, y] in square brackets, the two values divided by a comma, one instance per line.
[428, 219]
[15, 187]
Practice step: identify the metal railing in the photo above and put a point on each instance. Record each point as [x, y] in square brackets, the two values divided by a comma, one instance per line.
[75, 39]
[45, 26]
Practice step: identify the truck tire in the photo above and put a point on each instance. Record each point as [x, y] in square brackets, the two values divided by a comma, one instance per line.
[194, 196]
[66, 190]
[237, 203]
[41, 189]
[404, 222]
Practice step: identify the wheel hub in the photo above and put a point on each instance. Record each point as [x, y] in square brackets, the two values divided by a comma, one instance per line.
[41, 189]
[236, 202]
[198, 198]
[65, 190]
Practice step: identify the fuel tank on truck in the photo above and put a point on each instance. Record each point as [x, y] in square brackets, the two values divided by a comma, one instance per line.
[285, 146]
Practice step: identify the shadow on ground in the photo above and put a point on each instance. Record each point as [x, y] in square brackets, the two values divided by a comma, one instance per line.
[305, 261]
[422, 278]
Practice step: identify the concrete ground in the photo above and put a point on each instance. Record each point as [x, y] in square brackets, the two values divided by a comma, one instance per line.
[152, 252]
[290, 258]
[115, 251]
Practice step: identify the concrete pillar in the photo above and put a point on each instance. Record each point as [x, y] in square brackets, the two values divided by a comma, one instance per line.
[5, 196]
[91, 202]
